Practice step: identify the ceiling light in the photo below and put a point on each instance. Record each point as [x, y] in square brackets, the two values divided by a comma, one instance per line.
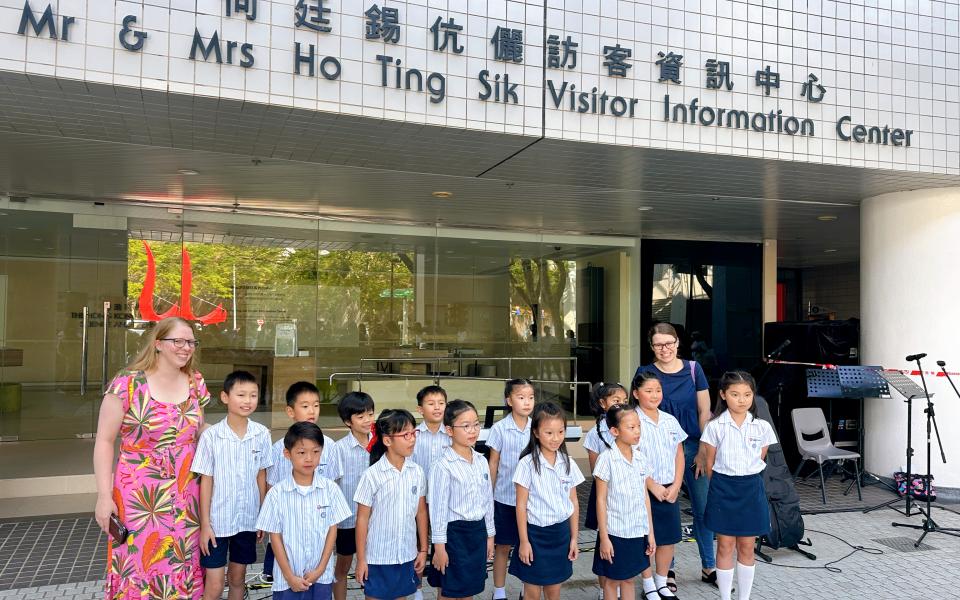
[38, 239]
[187, 172]
[827, 218]
[644, 208]
[442, 195]
[829, 250]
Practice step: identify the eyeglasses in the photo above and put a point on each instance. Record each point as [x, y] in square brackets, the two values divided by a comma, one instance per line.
[181, 342]
[664, 346]
[468, 427]
[407, 436]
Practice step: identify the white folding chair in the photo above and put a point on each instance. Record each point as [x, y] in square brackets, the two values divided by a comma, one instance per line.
[813, 441]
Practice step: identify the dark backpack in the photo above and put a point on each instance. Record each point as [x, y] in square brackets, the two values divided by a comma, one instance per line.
[786, 522]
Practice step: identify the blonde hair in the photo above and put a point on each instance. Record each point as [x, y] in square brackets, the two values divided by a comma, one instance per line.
[146, 359]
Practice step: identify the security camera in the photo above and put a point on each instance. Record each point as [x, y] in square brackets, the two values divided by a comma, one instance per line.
[558, 248]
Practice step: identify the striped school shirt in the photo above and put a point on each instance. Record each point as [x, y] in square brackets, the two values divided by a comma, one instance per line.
[592, 441]
[429, 447]
[346, 465]
[549, 501]
[303, 515]
[393, 496]
[626, 492]
[738, 448]
[282, 467]
[233, 463]
[509, 440]
[459, 490]
[658, 443]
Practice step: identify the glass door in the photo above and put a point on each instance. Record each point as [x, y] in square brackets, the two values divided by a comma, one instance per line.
[62, 278]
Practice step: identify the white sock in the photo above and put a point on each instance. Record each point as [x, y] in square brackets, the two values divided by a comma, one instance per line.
[661, 582]
[499, 593]
[649, 585]
[725, 582]
[744, 580]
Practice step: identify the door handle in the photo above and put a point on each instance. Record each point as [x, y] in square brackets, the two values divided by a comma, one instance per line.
[83, 350]
[106, 328]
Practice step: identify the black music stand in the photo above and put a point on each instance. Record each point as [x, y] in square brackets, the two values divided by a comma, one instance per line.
[864, 382]
[909, 390]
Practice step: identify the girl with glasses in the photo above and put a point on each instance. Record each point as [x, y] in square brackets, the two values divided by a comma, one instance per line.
[461, 507]
[391, 511]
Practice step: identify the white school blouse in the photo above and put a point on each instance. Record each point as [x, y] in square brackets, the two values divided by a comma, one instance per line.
[393, 496]
[303, 515]
[509, 440]
[346, 466]
[233, 462]
[459, 490]
[658, 443]
[549, 501]
[282, 468]
[593, 442]
[738, 448]
[626, 492]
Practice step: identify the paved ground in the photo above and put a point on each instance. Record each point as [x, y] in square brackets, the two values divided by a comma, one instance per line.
[879, 573]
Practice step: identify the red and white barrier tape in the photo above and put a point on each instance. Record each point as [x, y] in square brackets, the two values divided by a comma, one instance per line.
[912, 372]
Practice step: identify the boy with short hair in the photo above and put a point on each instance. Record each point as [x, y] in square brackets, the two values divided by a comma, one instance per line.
[232, 457]
[433, 438]
[347, 462]
[303, 406]
[300, 513]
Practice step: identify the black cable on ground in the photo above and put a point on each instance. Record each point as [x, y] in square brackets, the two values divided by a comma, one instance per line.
[828, 566]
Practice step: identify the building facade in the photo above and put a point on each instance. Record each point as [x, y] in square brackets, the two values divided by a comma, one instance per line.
[395, 192]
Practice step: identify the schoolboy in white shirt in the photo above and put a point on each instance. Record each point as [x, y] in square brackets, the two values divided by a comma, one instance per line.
[232, 458]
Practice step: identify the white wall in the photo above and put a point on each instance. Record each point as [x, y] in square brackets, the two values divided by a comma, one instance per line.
[881, 66]
[909, 288]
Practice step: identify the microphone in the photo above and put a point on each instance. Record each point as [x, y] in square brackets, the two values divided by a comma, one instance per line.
[779, 349]
[941, 363]
[914, 357]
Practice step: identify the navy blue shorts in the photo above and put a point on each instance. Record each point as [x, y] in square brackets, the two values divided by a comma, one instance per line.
[346, 542]
[551, 555]
[317, 591]
[629, 558]
[505, 522]
[737, 506]
[386, 582]
[242, 549]
[466, 573]
[666, 521]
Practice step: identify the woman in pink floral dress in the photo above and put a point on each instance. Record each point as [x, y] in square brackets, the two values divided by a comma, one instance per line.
[156, 407]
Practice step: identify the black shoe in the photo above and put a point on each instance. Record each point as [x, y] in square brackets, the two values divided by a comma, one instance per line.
[672, 581]
[664, 597]
[710, 578]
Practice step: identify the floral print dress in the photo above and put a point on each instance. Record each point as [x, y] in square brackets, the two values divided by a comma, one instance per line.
[156, 494]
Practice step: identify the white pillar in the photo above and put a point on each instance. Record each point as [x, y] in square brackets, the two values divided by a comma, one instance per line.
[769, 281]
[909, 288]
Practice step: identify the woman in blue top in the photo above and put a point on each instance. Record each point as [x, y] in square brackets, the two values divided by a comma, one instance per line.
[686, 396]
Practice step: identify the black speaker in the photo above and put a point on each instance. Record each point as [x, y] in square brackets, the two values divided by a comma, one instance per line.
[821, 342]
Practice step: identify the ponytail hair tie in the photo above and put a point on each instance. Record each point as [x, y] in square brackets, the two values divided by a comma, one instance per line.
[374, 438]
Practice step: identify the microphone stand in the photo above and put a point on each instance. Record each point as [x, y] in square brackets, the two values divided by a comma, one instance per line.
[929, 525]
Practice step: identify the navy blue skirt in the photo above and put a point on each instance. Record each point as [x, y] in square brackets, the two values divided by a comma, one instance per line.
[666, 521]
[505, 522]
[466, 573]
[629, 558]
[551, 555]
[590, 521]
[737, 506]
[391, 581]
[317, 591]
